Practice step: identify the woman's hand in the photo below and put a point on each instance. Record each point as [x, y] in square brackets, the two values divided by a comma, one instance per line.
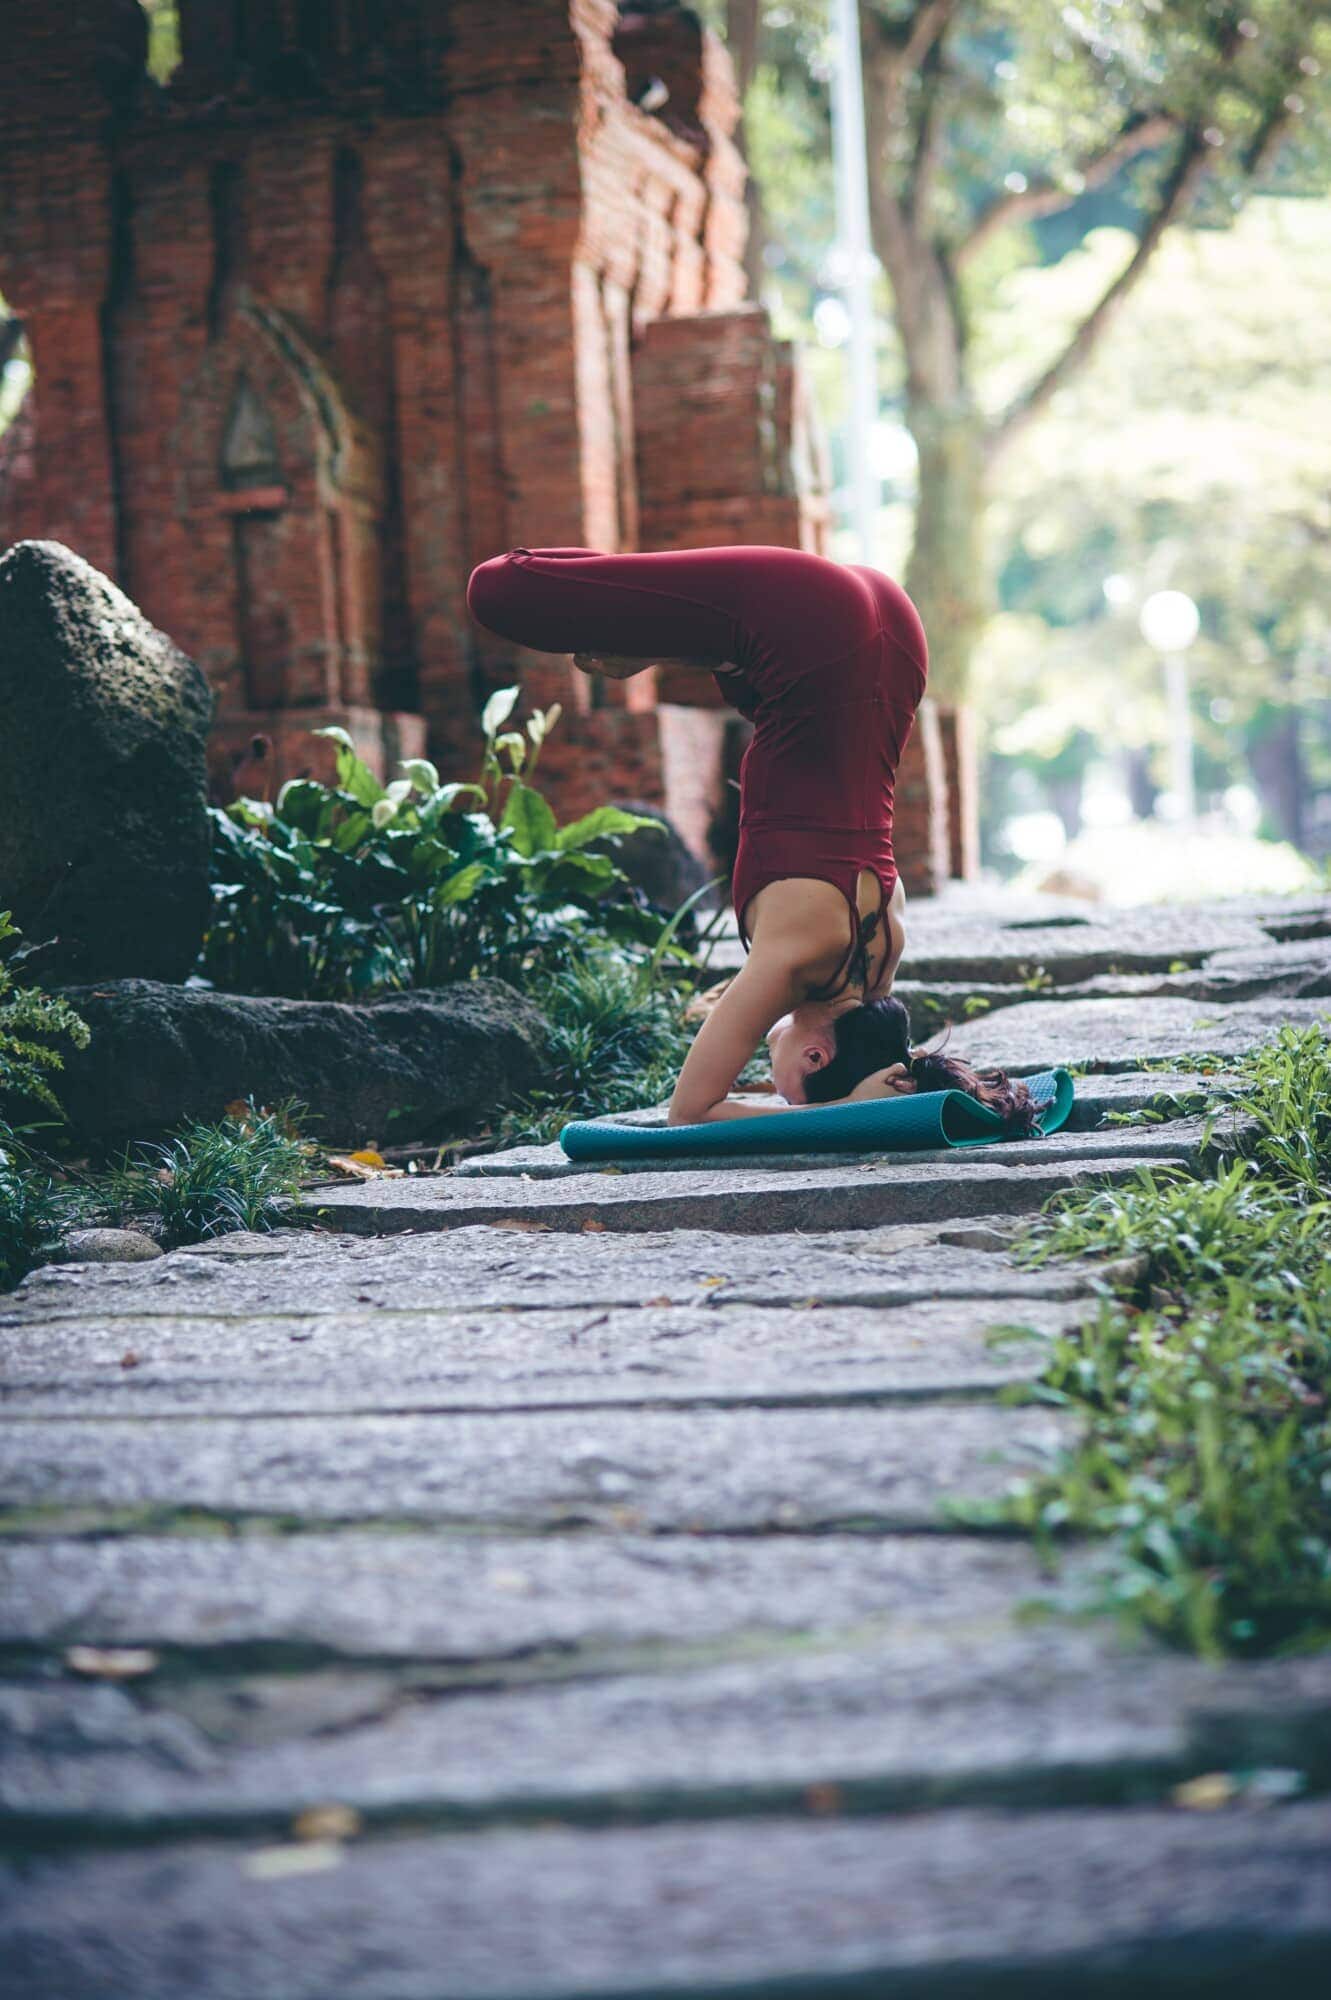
[895, 1081]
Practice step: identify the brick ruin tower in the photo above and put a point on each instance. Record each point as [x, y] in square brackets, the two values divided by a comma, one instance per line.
[366, 294]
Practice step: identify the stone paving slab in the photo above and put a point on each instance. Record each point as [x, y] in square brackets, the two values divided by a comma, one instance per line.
[345, 1362]
[1298, 968]
[986, 1710]
[718, 1471]
[1157, 939]
[1096, 1096]
[760, 1200]
[1124, 1034]
[361, 1596]
[1177, 1139]
[1075, 1905]
[521, 1270]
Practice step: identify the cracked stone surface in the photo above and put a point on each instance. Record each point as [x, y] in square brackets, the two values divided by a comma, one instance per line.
[1124, 1034]
[1013, 1179]
[715, 1471]
[521, 1270]
[1034, 1712]
[983, 1906]
[589, 1540]
[367, 1360]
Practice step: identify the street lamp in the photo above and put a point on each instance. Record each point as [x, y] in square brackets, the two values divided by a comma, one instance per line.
[1169, 623]
[856, 259]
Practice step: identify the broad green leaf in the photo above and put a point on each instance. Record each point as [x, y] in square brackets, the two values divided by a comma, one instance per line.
[352, 775]
[497, 710]
[531, 820]
[458, 887]
[600, 823]
[306, 804]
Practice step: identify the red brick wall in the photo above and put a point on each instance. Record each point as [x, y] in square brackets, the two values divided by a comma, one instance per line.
[364, 297]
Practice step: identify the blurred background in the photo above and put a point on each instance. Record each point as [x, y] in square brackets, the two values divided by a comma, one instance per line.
[1102, 289]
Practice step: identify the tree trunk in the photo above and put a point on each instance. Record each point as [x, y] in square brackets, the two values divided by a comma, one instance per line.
[743, 27]
[1275, 758]
[946, 574]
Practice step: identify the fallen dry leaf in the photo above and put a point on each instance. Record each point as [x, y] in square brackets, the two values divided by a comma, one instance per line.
[111, 1663]
[517, 1222]
[658, 1302]
[129, 1359]
[823, 1799]
[306, 1857]
[711, 1283]
[364, 1166]
[592, 1223]
[1205, 1794]
[333, 1821]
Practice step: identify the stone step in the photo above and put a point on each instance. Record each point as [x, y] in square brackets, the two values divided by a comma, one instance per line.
[340, 1362]
[468, 1602]
[1300, 968]
[1178, 1139]
[521, 1269]
[987, 1709]
[747, 1198]
[1125, 1034]
[738, 1471]
[1143, 1904]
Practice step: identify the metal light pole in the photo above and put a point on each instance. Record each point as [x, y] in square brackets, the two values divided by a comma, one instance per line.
[1169, 624]
[852, 185]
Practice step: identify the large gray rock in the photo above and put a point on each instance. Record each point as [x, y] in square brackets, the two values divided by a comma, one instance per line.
[104, 836]
[656, 859]
[412, 1064]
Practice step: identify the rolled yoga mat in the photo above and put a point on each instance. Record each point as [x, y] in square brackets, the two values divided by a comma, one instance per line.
[926, 1120]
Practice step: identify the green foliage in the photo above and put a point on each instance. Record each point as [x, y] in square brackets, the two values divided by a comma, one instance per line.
[1204, 1395]
[341, 891]
[212, 1179]
[617, 1040]
[29, 1021]
[34, 1209]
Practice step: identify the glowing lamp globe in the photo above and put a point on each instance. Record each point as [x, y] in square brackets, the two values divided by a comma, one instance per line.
[1169, 621]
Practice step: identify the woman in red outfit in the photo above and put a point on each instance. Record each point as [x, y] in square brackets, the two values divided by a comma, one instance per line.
[828, 661]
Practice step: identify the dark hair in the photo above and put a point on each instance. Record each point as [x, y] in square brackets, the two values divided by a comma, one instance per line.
[877, 1034]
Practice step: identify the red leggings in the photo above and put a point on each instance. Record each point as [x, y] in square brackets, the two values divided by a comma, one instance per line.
[828, 661]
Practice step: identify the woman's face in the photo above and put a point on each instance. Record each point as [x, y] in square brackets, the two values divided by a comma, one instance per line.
[799, 1046]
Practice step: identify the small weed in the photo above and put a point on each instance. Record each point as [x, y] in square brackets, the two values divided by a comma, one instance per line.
[212, 1179]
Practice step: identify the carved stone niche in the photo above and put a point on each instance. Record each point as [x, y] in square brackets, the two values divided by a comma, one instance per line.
[270, 450]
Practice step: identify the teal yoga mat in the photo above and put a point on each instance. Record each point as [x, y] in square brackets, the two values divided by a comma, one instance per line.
[932, 1118]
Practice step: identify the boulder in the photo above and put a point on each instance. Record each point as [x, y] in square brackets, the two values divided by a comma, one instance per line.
[657, 861]
[411, 1065]
[104, 836]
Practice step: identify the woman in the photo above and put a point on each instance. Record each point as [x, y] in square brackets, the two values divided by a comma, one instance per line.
[828, 661]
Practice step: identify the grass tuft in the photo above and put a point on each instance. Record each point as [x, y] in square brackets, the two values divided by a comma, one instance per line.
[1205, 1458]
[210, 1180]
[616, 1043]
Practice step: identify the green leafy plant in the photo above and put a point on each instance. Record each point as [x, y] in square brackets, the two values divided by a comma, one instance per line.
[212, 1179]
[30, 1021]
[1203, 1392]
[34, 1209]
[337, 892]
